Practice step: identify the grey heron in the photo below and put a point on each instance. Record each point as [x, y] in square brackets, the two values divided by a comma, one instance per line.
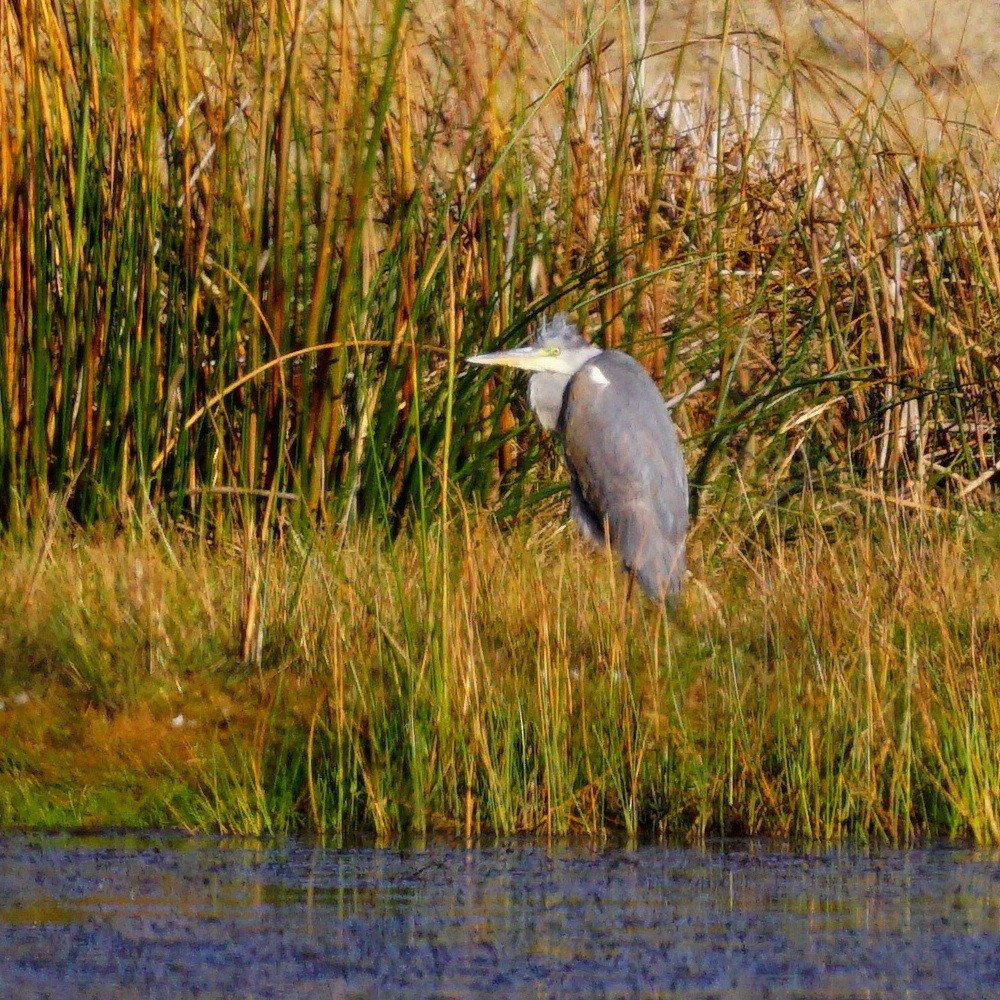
[628, 483]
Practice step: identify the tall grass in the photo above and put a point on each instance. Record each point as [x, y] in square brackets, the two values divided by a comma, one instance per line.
[841, 683]
[244, 248]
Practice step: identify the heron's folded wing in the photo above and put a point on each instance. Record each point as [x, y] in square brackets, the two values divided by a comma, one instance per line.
[622, 449]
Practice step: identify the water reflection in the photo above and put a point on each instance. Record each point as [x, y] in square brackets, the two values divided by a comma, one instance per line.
[165, 915]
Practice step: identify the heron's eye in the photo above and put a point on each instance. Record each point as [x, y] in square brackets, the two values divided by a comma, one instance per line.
[552, 352]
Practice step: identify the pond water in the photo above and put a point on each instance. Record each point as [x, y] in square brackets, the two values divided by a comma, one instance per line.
[165, 915]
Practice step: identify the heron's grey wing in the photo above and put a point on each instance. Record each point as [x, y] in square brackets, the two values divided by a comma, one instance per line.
[626, 462]
[581, 512]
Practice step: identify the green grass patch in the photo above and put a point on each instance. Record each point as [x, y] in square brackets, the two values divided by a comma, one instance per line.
[841, 685]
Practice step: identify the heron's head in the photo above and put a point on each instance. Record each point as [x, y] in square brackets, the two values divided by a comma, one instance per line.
[557, 347]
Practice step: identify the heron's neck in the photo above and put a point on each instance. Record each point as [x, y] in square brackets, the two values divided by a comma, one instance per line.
[545, 396]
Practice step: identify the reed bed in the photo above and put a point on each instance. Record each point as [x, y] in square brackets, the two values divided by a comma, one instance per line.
[244, 250]
[243, 473]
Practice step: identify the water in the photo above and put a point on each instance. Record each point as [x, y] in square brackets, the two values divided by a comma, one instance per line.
[161, 915]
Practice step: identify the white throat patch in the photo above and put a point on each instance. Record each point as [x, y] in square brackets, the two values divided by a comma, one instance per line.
[597, 376]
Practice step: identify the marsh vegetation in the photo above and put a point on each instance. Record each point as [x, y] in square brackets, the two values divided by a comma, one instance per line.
[276, 560]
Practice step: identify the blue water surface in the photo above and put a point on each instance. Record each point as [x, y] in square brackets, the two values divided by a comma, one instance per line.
[165, 915]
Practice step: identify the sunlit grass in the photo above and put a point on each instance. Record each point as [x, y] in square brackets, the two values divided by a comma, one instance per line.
[817, 682]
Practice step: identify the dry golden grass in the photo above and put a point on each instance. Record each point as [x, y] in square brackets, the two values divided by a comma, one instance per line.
[828, 675]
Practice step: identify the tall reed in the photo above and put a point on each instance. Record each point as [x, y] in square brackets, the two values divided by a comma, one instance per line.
[243, 250]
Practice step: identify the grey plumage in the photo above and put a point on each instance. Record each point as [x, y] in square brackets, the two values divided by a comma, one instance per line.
[546, 388]
[628, 483]
[626, 468]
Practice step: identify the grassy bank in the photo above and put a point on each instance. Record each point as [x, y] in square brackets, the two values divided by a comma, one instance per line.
[244, 476]
[829, 675]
